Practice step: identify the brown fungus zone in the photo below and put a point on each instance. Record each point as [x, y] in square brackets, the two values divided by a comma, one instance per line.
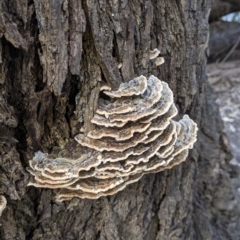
[134, 135]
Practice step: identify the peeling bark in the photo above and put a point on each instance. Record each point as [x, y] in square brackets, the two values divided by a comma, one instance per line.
[9, 29]
[77, 26]
[53, 17]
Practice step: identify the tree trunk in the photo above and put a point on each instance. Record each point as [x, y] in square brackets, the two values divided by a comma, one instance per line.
[52, 55]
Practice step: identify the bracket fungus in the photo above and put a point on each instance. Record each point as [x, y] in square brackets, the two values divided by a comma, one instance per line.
[134, 134]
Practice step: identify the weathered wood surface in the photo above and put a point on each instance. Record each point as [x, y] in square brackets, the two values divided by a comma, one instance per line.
[53, 55]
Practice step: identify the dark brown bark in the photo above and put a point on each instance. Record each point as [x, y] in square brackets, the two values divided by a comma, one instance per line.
[52, 60]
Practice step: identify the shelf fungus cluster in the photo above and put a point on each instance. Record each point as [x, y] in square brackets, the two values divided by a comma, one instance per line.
[134, 134]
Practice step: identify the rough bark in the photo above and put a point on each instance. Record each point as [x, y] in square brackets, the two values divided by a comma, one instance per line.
[54, 53]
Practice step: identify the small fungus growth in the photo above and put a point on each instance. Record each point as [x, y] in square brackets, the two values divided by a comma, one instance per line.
[134, 135]
[3, 204]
